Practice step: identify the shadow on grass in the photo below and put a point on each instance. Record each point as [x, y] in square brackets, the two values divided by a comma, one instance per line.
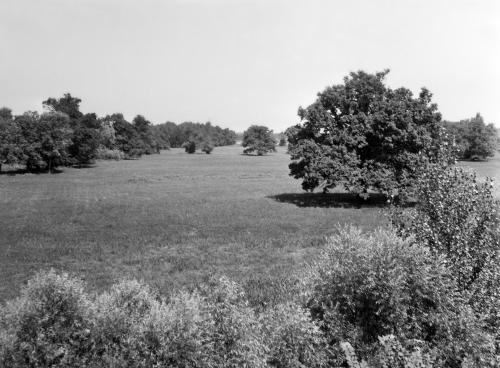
[342, 200]
[14, 172]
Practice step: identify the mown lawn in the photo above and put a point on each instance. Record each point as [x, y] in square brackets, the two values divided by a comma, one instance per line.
[171, 220]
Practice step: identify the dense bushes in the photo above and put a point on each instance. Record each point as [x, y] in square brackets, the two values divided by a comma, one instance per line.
[56, 323]
[367, 286]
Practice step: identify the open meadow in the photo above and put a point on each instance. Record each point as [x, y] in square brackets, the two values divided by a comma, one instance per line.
[171, 220]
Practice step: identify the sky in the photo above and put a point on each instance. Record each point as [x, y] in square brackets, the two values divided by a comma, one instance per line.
[242, 62]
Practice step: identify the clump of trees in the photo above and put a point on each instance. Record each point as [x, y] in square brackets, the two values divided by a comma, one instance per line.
[204, 136]
[64, 136]
[475, 140]
[259, 139]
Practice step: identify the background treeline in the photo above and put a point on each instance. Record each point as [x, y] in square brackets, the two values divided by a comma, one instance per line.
[475, 140]
[176, 135]
[64, 136]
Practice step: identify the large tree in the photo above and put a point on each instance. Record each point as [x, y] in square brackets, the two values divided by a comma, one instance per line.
[258, 138]
[363, 135]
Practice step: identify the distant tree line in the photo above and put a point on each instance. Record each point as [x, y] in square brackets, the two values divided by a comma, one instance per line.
[193, 136]
[474, 139]
[64, 136]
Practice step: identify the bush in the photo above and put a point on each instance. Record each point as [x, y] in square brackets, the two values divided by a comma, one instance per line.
[392, 354]
[49, 325]
[109, 154]
[176, 334]
[207, 147]
[366, 286]
[293, 339]
[117, 313]
[457, 217]
[189, 146]
[236, 338]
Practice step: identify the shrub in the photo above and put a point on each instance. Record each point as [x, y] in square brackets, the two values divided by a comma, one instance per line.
[236, 338]
[457, 217]
[176, 334]
[366, 286]
[293, 339]
[189, 146]
[109, 154]
[207, 147]
[117, 313]
[48, 325]
[392, 354]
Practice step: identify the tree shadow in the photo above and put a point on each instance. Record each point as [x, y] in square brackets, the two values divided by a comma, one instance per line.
[336, 200]
[14, 172]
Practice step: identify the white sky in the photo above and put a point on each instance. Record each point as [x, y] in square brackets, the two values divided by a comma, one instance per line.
[242, 62]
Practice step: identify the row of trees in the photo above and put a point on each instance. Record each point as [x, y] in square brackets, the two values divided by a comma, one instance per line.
[63, 135]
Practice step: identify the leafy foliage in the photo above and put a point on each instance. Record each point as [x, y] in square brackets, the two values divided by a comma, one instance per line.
[293, 338]
[475, 139]
[85, 139]
[258, 138]
[170, 134]
[362, 135]
[366, 286]
[189, 146]
[49, 325]
[457, 218]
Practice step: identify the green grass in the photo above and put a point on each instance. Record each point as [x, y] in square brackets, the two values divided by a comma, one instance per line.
[170, 220]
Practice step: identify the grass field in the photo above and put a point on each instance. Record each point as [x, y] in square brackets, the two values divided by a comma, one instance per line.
[170, 220]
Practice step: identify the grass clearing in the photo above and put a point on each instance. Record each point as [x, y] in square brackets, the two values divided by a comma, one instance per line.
[170, 220]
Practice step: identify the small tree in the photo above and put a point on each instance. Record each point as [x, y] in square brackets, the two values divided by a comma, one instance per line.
[189, 146]
[258, 138]
[207, 147]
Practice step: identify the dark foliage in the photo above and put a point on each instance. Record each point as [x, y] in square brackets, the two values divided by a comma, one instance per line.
[170, 134]
[362, 135]
[475, 139]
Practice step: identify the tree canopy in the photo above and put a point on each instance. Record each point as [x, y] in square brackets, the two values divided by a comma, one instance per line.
[259, 139]
[475, 139]
[363, 136]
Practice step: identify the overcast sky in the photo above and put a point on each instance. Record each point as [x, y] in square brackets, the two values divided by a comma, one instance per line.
[236, 63]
